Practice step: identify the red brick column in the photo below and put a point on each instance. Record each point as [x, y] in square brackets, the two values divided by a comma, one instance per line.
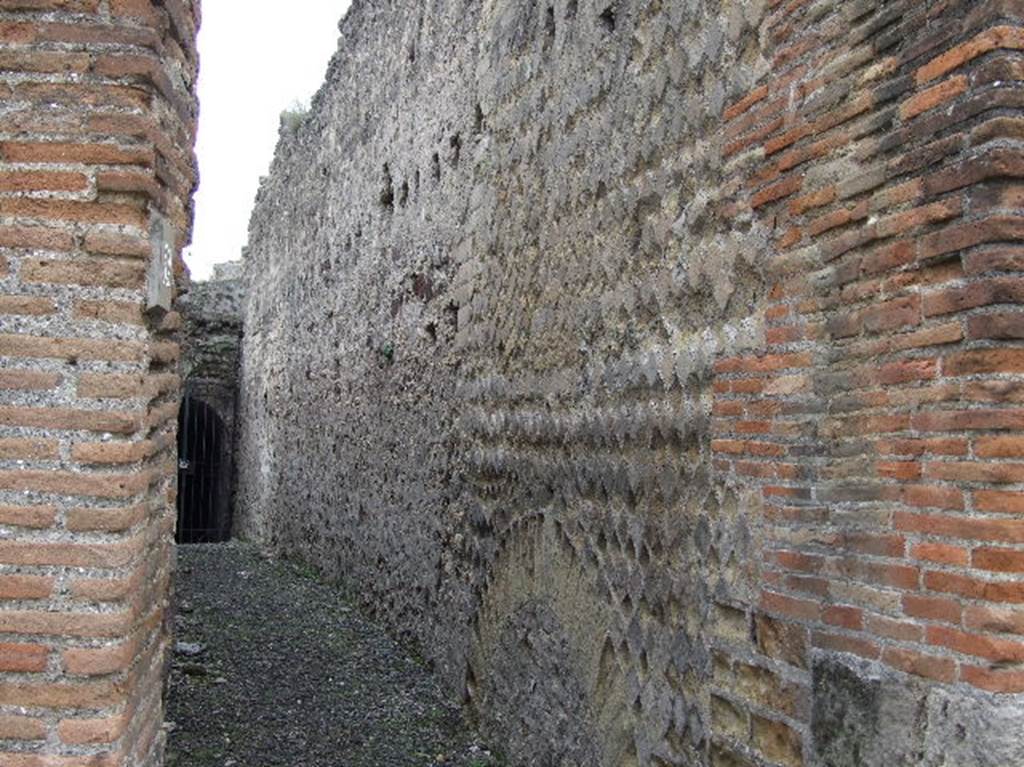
[96, 176]
[882, 419]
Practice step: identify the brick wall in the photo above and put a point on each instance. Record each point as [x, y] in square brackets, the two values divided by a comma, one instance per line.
[881, 420]
[96, 175]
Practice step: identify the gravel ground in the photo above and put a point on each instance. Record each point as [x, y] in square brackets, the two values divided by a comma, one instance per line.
[271, 667]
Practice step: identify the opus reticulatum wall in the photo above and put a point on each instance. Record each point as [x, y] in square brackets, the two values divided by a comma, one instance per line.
[656, 366]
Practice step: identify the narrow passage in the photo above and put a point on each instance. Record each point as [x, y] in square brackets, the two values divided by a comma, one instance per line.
[271, 667]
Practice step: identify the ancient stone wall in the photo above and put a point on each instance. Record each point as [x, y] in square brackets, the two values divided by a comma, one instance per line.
[96, 174]
[656, 367]
[212, 314]
[211, 311]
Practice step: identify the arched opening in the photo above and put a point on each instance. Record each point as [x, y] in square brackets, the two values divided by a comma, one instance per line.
[204, 484]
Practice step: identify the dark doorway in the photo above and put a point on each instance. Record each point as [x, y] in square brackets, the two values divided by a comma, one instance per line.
[204, 489]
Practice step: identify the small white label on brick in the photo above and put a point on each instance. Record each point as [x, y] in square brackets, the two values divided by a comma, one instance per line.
[160, 279]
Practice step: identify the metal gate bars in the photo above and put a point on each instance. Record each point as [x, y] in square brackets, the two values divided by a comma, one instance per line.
[202, 500]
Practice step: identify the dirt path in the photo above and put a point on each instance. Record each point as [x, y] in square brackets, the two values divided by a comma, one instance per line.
[272, 668]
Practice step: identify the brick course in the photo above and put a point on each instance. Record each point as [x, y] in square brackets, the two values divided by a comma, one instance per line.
[96, 137]
[914, 283]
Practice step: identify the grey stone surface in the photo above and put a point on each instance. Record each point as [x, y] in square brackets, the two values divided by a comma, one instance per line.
[227, 270]
[212, 313]
[866, 714]
[486, 278]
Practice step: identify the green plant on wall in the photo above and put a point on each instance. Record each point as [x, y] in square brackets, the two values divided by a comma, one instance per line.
[293, 117]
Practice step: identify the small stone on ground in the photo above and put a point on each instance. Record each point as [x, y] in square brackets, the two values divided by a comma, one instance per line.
[272, 669]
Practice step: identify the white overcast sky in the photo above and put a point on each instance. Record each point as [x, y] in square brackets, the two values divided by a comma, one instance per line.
[257, 58]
